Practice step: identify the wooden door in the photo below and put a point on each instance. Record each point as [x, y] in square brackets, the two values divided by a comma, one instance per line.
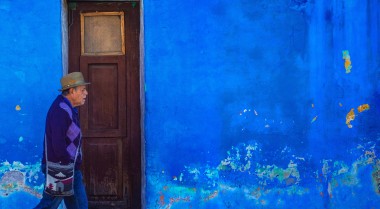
[104, 46]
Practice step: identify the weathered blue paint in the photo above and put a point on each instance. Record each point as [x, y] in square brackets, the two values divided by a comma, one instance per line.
[30, 66]
[246, 104]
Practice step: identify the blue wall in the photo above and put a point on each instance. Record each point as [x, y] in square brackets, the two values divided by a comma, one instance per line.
[248, 104]
[30, 66]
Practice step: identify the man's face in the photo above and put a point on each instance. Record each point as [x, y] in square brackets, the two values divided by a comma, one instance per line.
[78, 95]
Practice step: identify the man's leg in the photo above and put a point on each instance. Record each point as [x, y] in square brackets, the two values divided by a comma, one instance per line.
[71, 202]
[48, 202]
[79, 193]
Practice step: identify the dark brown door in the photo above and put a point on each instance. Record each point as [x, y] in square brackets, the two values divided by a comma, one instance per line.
[104, 46]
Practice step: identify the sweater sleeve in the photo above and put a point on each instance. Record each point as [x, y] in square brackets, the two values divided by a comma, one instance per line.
[59, 124]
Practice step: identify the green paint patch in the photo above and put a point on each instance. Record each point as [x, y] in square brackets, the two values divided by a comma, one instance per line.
[347, 62]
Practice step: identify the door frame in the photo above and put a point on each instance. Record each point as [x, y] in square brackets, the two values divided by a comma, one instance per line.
[65, 54]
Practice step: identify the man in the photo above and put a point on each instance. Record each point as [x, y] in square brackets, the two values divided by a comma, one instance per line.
[62, 147]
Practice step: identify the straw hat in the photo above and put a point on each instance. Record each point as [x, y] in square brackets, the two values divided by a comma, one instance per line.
[72, 80]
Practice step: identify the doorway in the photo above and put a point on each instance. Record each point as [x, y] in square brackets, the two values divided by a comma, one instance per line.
[103, 42]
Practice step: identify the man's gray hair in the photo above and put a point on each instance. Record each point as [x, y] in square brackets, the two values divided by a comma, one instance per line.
[67, 91]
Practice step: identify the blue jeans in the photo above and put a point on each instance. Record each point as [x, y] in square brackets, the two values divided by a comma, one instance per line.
[77, 201]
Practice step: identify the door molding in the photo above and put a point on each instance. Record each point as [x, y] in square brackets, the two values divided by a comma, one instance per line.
[65, 37]
[142, 104]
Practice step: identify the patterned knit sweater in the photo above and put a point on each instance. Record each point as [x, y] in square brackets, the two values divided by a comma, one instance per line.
[63, 134]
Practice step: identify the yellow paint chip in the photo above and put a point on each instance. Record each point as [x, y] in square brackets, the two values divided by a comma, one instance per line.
[350, 117]
[18, 108]
[363, 107]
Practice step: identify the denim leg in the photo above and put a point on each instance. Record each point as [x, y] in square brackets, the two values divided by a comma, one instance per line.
[48, 202]
[79, 192]
[71, 202]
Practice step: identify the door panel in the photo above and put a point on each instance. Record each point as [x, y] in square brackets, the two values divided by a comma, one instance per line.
[104, 113]
[110, 118]
[105, 174]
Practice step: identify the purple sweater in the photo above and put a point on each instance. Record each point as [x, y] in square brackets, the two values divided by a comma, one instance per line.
[62, 132]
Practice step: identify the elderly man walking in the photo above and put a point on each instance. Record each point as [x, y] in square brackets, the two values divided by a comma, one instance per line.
[62, 155]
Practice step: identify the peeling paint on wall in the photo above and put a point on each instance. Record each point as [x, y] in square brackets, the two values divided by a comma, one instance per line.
[351, 115]
[314, 119]
[18, 177]
[347, 61]
[363, 107]
[264, 184]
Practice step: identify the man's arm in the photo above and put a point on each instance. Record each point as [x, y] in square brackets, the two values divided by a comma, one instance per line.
[59, 124]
